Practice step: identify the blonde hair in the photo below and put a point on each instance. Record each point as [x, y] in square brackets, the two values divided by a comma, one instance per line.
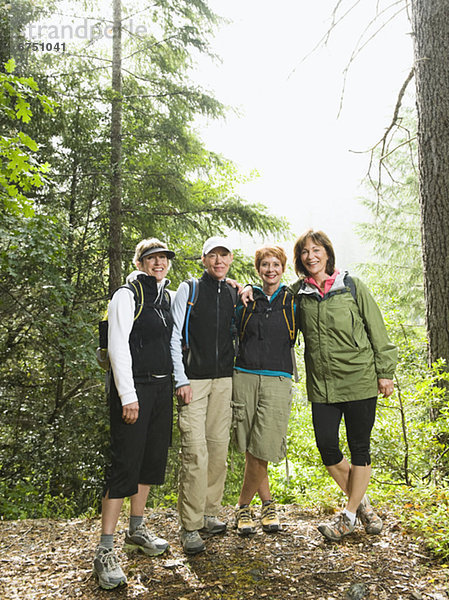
[267, 250]
[145, 245]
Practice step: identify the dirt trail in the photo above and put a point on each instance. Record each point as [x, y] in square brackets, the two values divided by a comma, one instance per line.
[44, 559]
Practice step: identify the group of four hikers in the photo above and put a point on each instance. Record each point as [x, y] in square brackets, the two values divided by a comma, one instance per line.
[231, 357]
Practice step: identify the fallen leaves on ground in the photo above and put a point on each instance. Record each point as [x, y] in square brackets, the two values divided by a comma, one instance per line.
[44, 559]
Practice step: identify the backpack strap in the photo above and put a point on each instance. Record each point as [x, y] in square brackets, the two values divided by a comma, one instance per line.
[167, 298]
[349, 283]
[287, 309]
[137, 290]
[136, 287]
[245, 322]
[192, 298]
[103, 326]
[234, 294]
[292, 328]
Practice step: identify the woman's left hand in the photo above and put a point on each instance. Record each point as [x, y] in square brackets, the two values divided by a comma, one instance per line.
[385, 387]
[130, 413]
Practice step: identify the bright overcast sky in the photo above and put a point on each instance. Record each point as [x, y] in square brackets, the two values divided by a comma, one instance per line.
[288, 129]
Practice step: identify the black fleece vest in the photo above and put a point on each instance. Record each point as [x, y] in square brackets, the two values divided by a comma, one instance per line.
[211, 350]
[266, 343]
[149, 340]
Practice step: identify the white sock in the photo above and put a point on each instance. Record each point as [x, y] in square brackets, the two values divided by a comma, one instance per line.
[351, 516]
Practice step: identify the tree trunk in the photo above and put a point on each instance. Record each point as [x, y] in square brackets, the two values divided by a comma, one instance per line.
[115, 207]
[431, 47]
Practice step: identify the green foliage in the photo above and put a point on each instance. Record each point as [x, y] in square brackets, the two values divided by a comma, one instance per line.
[303, 480]
[426, 513]
[26, 500]
[20, 172]
[46, 430]
[53, 261]
[53, 276]
[410, 442]
[409, 450]
[394, 230]
[409, 445]
[423, 510]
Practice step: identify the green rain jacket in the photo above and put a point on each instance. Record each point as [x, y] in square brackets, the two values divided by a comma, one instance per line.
[347, 348]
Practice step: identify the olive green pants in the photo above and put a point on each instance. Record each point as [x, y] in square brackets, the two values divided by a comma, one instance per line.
[261, 410]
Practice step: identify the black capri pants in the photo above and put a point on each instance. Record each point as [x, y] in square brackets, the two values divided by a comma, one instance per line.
[359, 420]
[138, 452]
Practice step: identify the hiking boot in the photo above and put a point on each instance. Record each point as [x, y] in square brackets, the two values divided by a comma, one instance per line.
[213, 525]
[107, 569]
[269, 517]
[145, 541]
[244, 521]
[192, 542]
[336, 529]
[370, 520]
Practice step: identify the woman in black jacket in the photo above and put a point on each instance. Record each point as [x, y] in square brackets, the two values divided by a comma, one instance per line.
[140, 402]
[262, 385]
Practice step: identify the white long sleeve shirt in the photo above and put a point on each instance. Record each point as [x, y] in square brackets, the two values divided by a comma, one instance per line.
[179, 308]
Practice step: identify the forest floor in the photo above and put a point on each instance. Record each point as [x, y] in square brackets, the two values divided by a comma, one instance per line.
[44, 559]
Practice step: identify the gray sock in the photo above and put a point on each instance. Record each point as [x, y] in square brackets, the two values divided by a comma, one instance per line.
[134, 522]
[107, 540]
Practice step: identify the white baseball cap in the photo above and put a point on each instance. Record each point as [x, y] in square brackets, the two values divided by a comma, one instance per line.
[216, 242]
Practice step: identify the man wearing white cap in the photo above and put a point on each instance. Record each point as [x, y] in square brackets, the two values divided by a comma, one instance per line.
[203, 357]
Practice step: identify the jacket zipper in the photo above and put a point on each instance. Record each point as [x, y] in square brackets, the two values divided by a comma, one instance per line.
[218, 326]
[353, 329]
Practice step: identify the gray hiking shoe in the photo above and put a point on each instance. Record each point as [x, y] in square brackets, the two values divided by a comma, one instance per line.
[213, 525]
[370, 520]
[145, 541]
[244, 522]
[192, 542]
[107, 569]
[336, 529]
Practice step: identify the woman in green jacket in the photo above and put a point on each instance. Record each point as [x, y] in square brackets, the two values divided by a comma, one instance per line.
[349, 361]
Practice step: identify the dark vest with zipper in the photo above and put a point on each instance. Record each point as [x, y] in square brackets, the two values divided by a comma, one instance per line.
[149, 340]
[211, 349]
[266, 344]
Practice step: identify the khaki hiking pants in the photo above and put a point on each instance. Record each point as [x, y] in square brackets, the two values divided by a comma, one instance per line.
[204, 425]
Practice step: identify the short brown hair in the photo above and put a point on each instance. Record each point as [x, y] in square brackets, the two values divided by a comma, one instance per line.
[267, 250]
[319, 238]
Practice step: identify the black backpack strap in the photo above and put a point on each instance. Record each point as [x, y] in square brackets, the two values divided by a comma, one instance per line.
[234, 293]
[349, 283]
